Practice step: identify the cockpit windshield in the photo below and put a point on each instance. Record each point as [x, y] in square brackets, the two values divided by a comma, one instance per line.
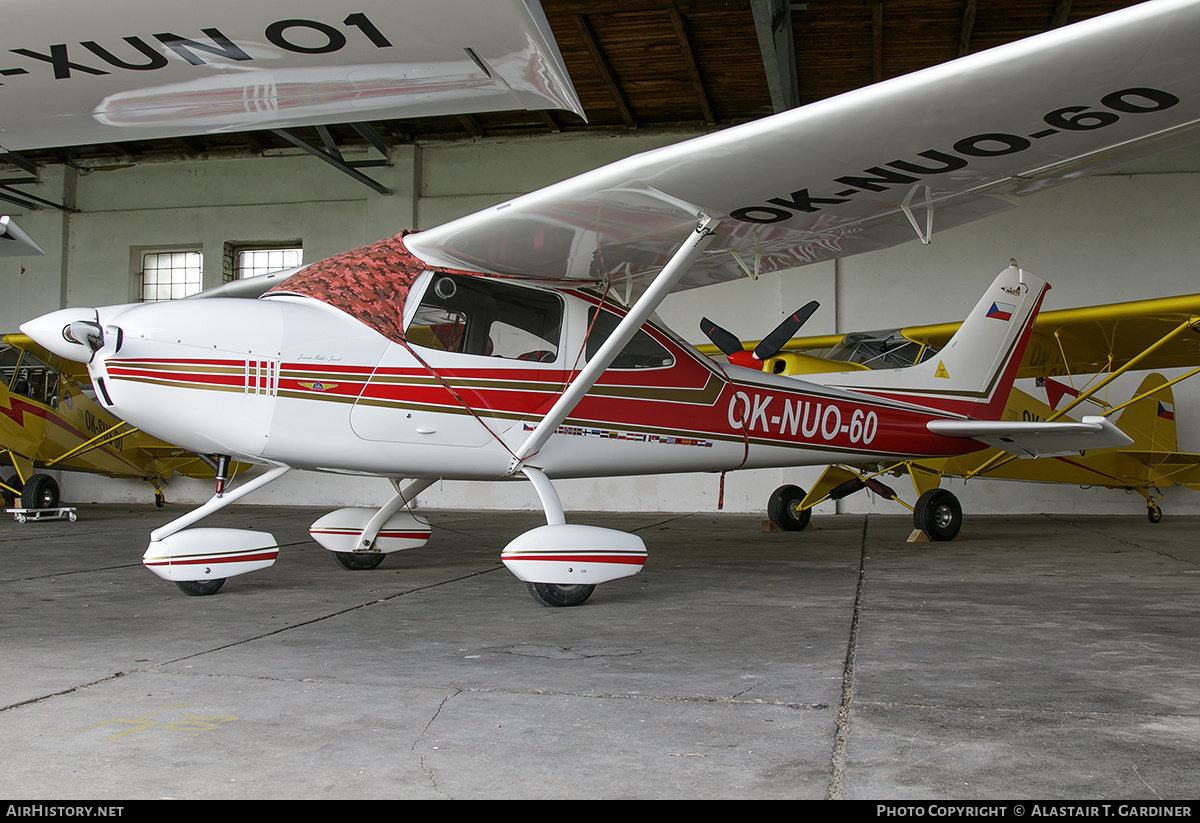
[880, 350]
[459, 311]
[368, 283]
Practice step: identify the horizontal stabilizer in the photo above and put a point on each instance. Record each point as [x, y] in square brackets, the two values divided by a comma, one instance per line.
[1034, 438]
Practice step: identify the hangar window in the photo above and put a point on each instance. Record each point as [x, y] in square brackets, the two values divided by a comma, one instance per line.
[252, 259]
[170, 275]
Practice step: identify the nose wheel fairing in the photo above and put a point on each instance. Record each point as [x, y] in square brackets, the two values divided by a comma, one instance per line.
[210, 554]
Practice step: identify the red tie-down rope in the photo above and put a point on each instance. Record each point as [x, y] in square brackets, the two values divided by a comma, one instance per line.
[745, 442]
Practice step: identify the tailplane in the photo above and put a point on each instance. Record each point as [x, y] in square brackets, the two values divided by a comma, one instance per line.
[973, 374]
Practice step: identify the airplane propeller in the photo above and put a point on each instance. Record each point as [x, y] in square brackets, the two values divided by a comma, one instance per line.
[770, 345]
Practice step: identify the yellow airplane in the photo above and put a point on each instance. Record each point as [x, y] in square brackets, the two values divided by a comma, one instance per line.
[1101, 342]
[50, 419]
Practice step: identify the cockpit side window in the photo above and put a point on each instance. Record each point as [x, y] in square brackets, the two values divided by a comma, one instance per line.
[475, 315]
[23, 374]
[641, 352]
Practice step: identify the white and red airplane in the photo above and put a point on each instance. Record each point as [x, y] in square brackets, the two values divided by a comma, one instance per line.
[520, 342]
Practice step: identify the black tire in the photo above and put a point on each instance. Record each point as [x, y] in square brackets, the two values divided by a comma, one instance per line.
[1153, 513]
[10, 498]
[556, 595]
[200, 588]
[40, 492]
[938, 514]
[358, 561]
[160, 499]
[783, 509]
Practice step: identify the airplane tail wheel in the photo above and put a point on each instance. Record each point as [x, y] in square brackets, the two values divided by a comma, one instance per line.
[200, 588]
[783, 509]
[358, 561]
[938, 514]
[1153, 513]
[554, 594]
[40, 492]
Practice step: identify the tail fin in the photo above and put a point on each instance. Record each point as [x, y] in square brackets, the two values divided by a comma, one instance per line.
[973, 374]
[1151, 420]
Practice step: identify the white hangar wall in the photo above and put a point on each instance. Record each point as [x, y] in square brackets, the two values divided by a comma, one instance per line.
[1110, 238]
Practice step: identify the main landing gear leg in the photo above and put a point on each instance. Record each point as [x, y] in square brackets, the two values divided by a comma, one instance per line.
[553, 594]
[1153, 512]
[571, 559]
[365, 556]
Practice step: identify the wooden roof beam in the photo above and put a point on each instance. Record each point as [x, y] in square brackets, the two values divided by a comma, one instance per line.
[605, 70]
[876, 41]
[689, 58]
[471, 123]
[1062, 11]
[773, 23]
[966, 28]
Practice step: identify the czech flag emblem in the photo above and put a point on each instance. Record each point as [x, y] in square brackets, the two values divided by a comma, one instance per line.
[1001, 311]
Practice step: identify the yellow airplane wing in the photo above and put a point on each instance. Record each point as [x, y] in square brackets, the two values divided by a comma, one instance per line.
[1159, 333]
[1097, 339]
[61, 365]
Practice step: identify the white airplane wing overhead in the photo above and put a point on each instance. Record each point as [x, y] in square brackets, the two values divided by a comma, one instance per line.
[14, 242]
[865, 170]
[75, 72]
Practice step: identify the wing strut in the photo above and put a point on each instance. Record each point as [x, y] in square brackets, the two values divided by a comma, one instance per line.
[1191, 323]
[663, 283]
[926, 236]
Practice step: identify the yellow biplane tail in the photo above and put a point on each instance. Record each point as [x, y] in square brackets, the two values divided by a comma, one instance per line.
[1151, 420]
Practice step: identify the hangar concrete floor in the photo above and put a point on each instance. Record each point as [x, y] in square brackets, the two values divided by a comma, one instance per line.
[1041, 657]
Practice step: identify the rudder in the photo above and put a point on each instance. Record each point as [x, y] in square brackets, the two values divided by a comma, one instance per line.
[1151, 420]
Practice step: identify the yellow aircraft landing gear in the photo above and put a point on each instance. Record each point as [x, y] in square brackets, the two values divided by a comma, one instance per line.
[10, 487]
[1153, 512]
[783, 509]
[939, 514]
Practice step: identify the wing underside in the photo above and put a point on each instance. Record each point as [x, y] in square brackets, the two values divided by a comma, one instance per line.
[76, 73]
[863, 171]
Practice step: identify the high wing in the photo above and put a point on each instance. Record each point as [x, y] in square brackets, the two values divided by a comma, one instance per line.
[1158, 333]
[869, 169]
[74, 72]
